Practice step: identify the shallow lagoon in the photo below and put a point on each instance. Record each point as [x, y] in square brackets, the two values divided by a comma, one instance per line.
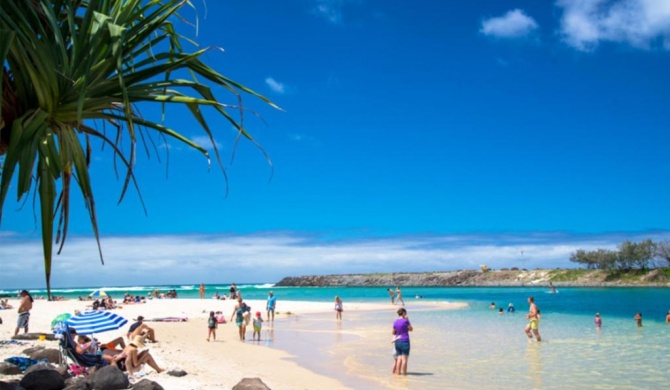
[475, 347]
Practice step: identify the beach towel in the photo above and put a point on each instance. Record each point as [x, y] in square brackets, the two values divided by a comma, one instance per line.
[76, 370]
[167, 319]
[12, 342]
[23, 362]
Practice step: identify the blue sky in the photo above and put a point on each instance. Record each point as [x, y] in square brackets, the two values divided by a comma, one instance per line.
[495, 126]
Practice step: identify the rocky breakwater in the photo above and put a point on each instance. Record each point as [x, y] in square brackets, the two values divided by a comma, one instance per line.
[427, 279]
[502, 278]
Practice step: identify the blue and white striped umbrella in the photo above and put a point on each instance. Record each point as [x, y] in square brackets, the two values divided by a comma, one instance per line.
[96, 321]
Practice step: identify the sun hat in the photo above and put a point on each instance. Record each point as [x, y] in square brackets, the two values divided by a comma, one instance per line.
[258, 314]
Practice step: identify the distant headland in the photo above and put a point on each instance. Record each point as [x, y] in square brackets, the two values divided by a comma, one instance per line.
[656, 277]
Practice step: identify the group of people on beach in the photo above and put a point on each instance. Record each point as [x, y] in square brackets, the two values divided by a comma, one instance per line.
[129, 357]
[234, 293]
[396, 296]
[242, 316]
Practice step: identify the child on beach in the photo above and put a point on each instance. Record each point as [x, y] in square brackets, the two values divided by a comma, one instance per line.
[598, 321]
[258, 324]
[211, 325]
[638, 319]
[338, 308]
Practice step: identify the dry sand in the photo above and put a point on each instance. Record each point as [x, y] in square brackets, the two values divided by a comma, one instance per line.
[216, 364]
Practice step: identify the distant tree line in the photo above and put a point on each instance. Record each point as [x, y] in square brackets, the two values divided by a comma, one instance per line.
[629, 255]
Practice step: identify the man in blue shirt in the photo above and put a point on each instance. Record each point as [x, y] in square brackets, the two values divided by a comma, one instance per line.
[272, 303]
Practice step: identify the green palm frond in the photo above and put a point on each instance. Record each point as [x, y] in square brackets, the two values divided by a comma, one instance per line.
[70, 64]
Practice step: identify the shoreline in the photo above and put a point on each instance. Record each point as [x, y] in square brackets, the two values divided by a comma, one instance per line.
[183, 344]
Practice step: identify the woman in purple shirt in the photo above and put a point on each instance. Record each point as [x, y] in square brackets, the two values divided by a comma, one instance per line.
[401, 329]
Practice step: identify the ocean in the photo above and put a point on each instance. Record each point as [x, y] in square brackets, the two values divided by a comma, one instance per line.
[474, 347]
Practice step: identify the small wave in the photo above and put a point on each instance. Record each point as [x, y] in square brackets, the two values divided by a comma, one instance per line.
[189, 287]
[266, 285]
[129, 288]
[245, 286]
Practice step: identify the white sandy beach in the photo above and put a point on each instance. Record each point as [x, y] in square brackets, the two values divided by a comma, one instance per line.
[210, 365]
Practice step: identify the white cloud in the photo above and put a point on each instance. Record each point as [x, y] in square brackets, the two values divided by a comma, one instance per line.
[331, 10]
[275, 85]
[302, 138]
[184, 259]
[206, 142]
[638, 23]
[514, 24]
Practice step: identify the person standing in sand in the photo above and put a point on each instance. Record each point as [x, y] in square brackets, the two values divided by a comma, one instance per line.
[392, 295]
[211, 326]
[258, 325]
[401, 329]
[339, 308]
[398, 296]
[271, 306]
[24, 312]
[239, 312]
[202, 291]
[533, 320]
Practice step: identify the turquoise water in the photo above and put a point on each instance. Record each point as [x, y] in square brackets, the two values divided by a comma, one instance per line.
[474, 347]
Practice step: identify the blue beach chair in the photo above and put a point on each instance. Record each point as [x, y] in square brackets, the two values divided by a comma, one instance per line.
[68, 350]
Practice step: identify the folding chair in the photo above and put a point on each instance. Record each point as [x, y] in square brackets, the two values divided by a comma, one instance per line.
[68, 350]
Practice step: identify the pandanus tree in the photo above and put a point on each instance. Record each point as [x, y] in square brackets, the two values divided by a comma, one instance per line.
[75, 72]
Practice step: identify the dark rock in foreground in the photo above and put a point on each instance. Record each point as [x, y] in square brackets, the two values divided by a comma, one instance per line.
[178, 372]
[34, 336]
[9, 369]
[43, 380]
[13, 385]
[251, 384]
[108, 378]
[52, 355]
[146, 384]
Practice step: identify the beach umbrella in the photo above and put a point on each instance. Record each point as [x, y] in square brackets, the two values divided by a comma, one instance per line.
[96, 321]
[61, 318]
[98, 294]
